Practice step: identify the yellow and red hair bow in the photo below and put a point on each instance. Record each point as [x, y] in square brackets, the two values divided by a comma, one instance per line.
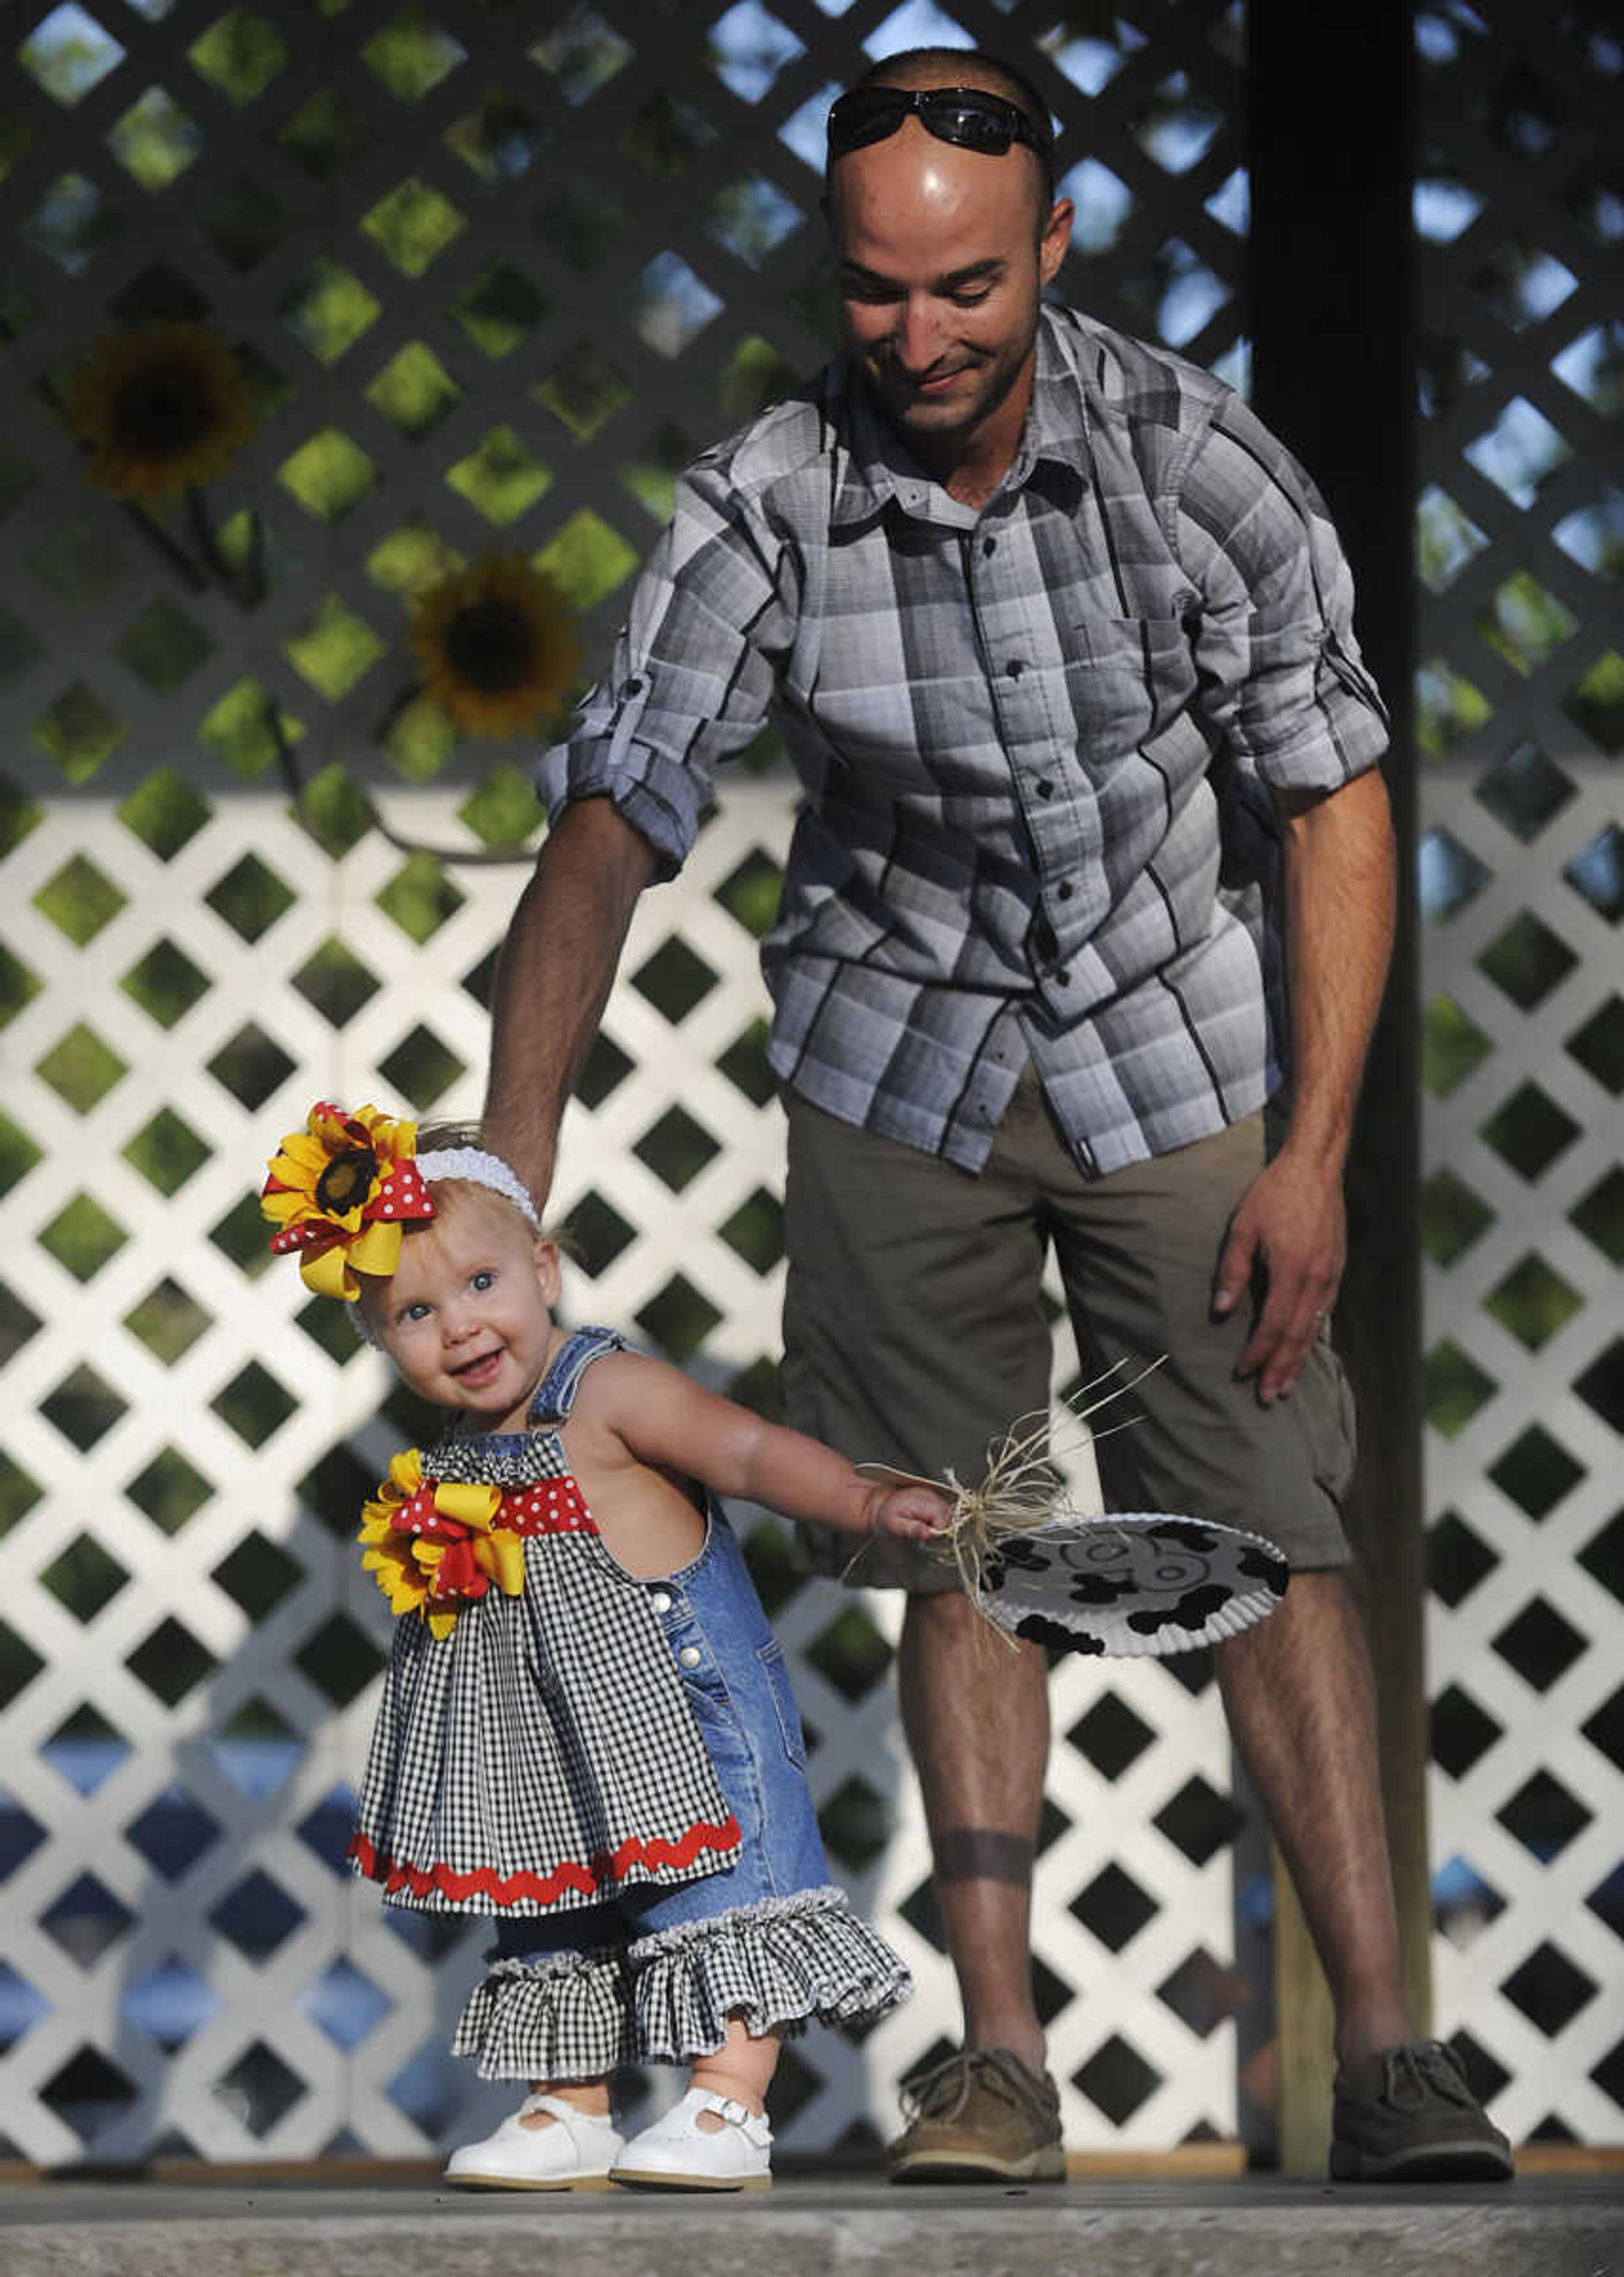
[339, 1191]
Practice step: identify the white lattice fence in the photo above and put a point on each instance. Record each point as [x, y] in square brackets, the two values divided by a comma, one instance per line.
[1521, 696]
[494, 273]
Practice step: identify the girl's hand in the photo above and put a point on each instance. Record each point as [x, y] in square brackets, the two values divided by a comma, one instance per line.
[908, 1514]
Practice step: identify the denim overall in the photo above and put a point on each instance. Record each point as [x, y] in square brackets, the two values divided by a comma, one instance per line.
[731, 1669]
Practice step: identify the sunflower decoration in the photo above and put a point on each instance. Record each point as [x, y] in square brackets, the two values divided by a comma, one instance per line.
[432, 1543]
[166, 408]
[339, 1192]
[495, 646]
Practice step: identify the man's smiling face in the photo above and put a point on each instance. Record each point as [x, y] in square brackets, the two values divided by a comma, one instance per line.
[941, 272]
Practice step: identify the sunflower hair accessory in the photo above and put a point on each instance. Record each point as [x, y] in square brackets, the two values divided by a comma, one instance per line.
[339, 1192]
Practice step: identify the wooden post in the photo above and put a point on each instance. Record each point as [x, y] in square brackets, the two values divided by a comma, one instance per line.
[1331, 153]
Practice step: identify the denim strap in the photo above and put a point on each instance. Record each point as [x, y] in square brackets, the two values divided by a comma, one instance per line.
[555, 1394]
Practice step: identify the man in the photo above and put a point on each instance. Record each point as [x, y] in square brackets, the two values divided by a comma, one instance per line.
[1059, 640]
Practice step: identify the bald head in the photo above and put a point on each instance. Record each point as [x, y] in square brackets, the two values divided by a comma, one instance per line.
[919, 69]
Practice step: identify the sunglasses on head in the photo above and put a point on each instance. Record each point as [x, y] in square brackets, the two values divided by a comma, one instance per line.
[963, 115]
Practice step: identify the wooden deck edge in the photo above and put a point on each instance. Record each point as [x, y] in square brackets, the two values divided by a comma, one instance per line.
[1182, 2162]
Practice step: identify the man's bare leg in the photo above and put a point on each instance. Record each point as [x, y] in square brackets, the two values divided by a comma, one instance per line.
[1301, 1700]
[977, 1721]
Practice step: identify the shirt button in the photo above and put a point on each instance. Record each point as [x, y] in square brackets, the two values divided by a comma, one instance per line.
[1045, 789]
[633, 687]
[1063, 978]
[1062, 892]
[989, 544]
[661, 1601]
[1016, 666]
[690, 1656]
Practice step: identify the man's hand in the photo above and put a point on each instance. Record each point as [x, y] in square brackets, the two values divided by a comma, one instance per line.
[1287, 1239]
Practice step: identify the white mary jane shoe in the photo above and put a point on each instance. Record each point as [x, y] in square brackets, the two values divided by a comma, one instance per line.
[676, 2153]
[574, 2153]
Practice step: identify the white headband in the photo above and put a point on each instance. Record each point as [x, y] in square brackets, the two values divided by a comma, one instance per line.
[480, 1170]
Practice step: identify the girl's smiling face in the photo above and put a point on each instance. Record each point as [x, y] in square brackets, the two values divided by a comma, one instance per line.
[466, 1316]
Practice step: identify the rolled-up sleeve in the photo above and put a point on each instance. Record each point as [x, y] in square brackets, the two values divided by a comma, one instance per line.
[1283, 683]
[693, 672]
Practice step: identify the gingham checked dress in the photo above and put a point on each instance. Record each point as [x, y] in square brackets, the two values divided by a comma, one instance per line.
[544, 1755]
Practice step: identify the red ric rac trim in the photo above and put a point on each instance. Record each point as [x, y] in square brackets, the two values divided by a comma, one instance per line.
[606, 1866]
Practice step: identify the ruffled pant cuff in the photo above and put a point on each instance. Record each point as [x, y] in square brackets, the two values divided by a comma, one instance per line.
[669, 1997]
[565, 2017]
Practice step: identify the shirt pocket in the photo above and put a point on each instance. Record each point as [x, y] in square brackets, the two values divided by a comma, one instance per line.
[1127, 677]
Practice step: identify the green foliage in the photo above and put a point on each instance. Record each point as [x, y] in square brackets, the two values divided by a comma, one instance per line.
[78, 732]
[1596, 702]
[167, 1152]
[79, 900]
[238, 729]
[80, 1068]
[504, 810]
[414, 391]
[1451, 1046]
[587, 560]
[584, 390]
[413, 226]
[165, 983]
[335, 811]
[239, 54]
[420, 897]
[154, 141]
[1454, 1388]
[328, 309]
[329, 475]
[500, 477]
[82, 1236]
[333, 648]
[165, 812]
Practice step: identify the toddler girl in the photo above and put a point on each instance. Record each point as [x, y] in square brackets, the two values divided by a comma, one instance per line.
[586, 1728]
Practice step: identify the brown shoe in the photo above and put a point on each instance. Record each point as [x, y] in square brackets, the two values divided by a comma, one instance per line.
[1408, 2115]
[981, 2116]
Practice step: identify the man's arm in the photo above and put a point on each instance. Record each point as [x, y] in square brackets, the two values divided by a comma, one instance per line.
[558, 965]
[1290, 1230]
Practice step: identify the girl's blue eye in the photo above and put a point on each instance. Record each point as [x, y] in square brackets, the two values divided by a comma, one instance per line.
[484, 1278]
[417, 1312]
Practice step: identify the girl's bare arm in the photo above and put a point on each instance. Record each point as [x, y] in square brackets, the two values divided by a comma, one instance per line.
[666, 1421]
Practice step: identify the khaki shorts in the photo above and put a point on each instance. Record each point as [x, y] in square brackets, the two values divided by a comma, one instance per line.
[916, 1333]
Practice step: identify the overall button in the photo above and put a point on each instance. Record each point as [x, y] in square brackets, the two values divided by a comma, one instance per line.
[690, 1656]
[661, 1601]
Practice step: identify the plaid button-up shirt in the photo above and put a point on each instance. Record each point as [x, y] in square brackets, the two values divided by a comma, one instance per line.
[1036, 742]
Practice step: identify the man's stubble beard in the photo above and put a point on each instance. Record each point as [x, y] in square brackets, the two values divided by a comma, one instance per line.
[998, 381]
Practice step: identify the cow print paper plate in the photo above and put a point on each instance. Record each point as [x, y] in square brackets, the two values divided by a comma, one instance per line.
[1136, 1584]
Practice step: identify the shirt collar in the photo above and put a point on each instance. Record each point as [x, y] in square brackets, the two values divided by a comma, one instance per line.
[879, 469]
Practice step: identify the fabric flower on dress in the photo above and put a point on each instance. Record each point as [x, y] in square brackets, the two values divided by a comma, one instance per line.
[495, 647]
[339, 1191]
[431, 1545]
[165, 406]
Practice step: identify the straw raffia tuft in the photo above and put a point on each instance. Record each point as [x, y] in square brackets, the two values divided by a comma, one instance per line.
[1020, 1490]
